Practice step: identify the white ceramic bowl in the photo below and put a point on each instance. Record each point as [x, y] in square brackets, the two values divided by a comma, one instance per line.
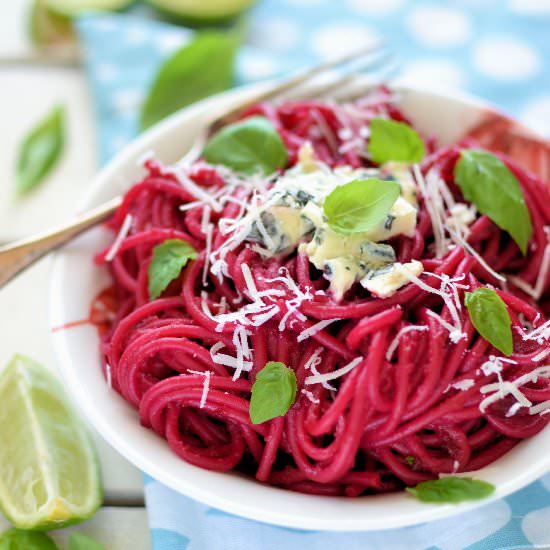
[76, 281]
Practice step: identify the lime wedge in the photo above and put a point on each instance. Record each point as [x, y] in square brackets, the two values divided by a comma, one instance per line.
[72, 8]
[49, 473]
[202, 11]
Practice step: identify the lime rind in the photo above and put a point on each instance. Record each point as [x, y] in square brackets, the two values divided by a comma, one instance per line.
[36, 463]
[201, 12]
[73, 8]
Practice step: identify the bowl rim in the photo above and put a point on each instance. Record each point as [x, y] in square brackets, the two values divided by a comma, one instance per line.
[207, 495]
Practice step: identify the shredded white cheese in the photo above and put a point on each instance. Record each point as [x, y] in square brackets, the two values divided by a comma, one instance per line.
[395, 342]
[314, 329]
[205, 385]
[503, 388]
[122, 234]
[320, 378]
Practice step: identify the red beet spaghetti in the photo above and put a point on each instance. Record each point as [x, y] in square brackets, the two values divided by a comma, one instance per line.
[394, 387]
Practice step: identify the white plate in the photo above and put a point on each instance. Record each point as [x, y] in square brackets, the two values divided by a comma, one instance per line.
[76, 281]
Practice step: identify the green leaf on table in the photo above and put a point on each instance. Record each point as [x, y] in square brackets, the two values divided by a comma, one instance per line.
[490, 318]
[199, 69]
[451, 490]
[80, 541]
[169, 258]
[488, 183]
[47, 28]
[40, 150]
[18, 539]
[252, 145]
[359, 205]
[273, 392]
[394, 141]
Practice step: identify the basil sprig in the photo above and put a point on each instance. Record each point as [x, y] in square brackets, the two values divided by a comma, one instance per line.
[80, 541]
[360, 204]
[252, 145]
[273, 392]
[169, 258]
[199, 69]
[40, 150]
[490, 318]
[18, 539]
[451, 490]
[488, 183]
[394, 141]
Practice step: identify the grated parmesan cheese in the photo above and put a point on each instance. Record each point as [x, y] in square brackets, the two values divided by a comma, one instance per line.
[314, 329]
[323, 378]
[395, 342]
[205, 386]
[122, 234]
[503, 388]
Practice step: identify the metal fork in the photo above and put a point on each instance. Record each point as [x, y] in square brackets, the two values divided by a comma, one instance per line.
[16, 256]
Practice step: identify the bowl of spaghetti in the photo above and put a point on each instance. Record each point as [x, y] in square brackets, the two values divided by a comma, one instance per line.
[339, 304]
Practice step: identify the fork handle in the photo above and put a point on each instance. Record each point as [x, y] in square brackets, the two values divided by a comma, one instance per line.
[17, 256]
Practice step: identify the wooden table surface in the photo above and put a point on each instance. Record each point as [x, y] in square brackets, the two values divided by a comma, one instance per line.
[28, 90]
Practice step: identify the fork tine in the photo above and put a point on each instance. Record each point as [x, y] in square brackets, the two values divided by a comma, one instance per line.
[296, 80]
[385, 59]
[384, 74]
[304, 75]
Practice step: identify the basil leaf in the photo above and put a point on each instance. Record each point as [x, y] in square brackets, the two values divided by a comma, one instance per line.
[40, 150]
[79, 541]
[252, 145]
[273, 392]
[169, 258]
[394, 141]
[360, 204]
[17, 539]
[488, 183]
[490, 318]
[199, 69]
[451, 489]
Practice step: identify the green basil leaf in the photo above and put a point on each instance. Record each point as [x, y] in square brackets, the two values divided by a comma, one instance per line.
[360, 204]
[488, 183]
[394, 141]
[409, 459]
[451, 490]
[199, 69]
[490, 318]
[252, 145]
[169, 258]
[40, 150]
[80, 541]
[273, 392]
[17, 539]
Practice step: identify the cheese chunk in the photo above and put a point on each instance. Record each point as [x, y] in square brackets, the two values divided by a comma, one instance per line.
[346, 259]
[401, 220]
[392, 279]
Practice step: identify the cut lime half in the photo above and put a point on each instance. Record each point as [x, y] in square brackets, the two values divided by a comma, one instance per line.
[202, 11]
[72, 8]
[49, 472]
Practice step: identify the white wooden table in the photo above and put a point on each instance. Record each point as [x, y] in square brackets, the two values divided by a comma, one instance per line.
[27, 92]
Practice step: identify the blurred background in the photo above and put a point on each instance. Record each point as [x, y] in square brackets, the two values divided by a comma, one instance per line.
[116, 66]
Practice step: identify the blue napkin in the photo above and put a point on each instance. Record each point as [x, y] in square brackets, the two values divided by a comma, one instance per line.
[499, 51]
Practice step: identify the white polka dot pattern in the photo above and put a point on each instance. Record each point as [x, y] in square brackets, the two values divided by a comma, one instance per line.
[506, 58]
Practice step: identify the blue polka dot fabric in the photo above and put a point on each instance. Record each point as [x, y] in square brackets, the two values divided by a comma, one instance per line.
[497, 49]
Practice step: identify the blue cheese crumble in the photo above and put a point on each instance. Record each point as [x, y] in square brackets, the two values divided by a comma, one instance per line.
[293, 217]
